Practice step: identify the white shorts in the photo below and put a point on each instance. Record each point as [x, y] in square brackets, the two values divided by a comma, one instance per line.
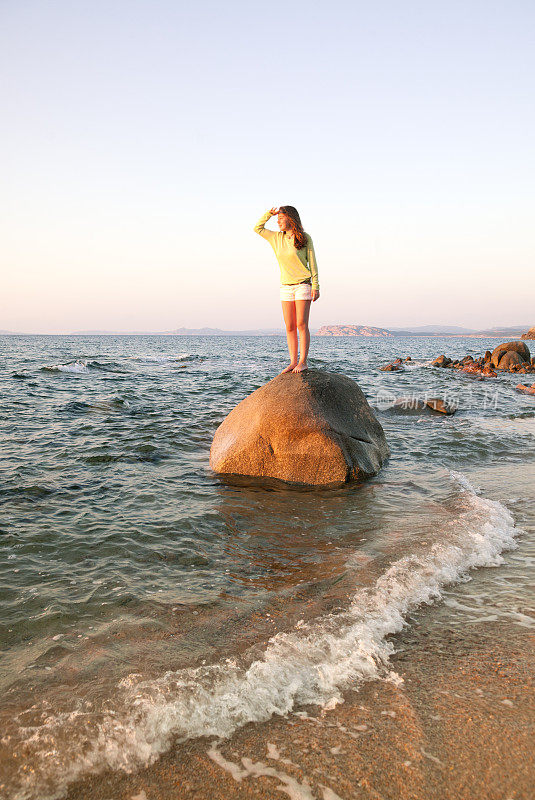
[296, 291]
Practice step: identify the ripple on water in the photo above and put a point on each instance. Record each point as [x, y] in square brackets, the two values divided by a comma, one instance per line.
[118, 539]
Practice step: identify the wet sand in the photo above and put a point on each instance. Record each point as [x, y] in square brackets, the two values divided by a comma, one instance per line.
[461, 725]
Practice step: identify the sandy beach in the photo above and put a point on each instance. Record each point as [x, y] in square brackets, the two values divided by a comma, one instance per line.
[460, 725]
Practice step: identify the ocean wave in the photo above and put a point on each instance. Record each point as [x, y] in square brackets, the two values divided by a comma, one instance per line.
[513, 425]
[83, 406]
[82, 365]
[312, 664]
[522, 415]
[417, 363]
[70, 366]
[167, 358]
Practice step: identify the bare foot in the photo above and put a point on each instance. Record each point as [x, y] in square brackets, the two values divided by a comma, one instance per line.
[289, 368]
[300, 367]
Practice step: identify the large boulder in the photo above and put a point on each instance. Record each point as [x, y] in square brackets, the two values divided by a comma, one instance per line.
[530, 334]
[312, 427]
[509, 359]
[517, 347]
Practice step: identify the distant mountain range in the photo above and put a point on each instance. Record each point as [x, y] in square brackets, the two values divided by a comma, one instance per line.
[422, 330]
[434, 329]
[509, 332]
[513, 331]
[352, 330]
[185, 332]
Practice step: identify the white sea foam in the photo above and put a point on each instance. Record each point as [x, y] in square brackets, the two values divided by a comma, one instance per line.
[297, 790]
[417, 363]
[80, 365]
[314, 663]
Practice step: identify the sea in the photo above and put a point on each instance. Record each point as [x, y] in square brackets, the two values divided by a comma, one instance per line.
[144, 600]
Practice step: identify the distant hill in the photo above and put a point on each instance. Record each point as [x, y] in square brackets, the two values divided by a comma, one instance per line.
[422, 330]
[352, 330]
[221, 332]
[419, 329]
[455, 330]
[184, 332]
[514, 332]
[509, 332]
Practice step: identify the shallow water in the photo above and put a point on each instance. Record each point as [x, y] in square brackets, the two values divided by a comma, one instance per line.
[142, 598]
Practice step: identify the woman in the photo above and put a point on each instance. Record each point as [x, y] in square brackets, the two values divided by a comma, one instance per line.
[299, 278]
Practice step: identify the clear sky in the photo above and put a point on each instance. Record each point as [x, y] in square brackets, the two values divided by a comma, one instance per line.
[141, 141]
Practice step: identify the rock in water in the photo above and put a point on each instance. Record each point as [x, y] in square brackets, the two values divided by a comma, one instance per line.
[515, 347]
[441, 406]
[412, 404]
[509, 359]
[441, 361]
[312, 427]
[525, 389]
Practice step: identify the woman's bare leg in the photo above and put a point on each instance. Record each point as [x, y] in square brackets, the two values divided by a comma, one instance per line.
[302, 310]
[288, 312]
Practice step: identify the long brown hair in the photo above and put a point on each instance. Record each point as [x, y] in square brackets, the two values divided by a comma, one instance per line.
[300, 237]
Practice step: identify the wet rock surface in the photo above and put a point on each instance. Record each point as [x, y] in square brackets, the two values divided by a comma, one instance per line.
[313, 427]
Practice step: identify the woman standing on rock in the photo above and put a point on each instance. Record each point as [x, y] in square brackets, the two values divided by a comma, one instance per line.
[299, 277]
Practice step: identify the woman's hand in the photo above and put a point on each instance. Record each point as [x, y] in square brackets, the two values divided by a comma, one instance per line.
[273, 211]
[315, 294]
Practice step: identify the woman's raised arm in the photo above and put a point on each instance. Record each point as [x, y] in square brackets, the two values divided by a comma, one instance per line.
[259, 227]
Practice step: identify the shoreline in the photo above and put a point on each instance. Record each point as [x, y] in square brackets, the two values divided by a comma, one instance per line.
[213, 571]
[461, 725]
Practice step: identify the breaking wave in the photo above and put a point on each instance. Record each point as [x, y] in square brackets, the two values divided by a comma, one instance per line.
[312, 664]
[81, 365]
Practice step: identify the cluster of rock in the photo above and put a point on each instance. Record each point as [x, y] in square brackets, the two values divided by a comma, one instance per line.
[530, 334]
[509, 357]
[396, 365]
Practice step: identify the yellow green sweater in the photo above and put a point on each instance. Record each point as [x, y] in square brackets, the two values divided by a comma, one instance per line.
[293, 263]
